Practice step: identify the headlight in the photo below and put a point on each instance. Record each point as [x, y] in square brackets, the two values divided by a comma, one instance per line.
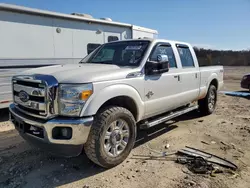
[72, 98]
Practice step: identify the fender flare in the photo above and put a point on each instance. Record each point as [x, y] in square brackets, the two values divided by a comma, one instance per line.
[210, 79]
[109, 92]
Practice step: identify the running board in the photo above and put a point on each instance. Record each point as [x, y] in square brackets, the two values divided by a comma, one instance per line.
[170, 116]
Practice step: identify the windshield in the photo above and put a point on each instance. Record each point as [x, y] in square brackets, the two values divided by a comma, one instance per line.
[125, 53]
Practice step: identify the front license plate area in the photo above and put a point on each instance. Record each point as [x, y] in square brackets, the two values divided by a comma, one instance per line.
[23, 127]
[19, 124]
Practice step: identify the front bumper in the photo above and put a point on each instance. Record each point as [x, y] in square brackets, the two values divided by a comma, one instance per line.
[42, 136]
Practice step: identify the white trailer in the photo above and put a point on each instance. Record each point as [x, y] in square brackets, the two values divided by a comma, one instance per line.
[33, 38]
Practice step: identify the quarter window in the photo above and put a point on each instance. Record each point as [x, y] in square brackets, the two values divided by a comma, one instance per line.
[186, 56]
[164, 50]
[112, 38]
[91, 47]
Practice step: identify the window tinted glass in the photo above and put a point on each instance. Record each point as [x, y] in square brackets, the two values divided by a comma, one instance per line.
[91, 47]
[186, 57]
[106, 55]
[164, 50]
[122, 53]
[112, 38]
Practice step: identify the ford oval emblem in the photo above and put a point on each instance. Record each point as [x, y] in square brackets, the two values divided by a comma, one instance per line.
[24, 97]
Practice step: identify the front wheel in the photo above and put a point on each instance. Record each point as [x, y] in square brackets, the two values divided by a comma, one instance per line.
[208, 104]
[112, 137]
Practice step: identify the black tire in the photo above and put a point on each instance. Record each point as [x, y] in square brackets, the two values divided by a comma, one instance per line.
[94, 147]
[206, 106]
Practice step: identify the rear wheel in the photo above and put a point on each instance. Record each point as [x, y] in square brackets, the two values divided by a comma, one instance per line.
[112, 137]
[208, 104]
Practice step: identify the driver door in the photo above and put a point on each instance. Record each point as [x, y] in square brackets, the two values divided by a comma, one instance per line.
[161, 90]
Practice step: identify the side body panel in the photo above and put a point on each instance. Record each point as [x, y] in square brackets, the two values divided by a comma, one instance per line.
[208, 74]
[103, 91]
[164, 89]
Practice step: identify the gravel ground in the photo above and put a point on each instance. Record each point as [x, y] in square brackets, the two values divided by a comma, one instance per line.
[225, 133]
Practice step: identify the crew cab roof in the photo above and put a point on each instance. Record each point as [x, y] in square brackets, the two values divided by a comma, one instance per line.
[156, 41]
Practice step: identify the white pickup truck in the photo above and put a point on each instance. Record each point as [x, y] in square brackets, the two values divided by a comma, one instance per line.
[96, 105]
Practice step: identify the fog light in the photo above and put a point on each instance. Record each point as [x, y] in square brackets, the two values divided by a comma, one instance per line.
[65, 132]
[62, 133]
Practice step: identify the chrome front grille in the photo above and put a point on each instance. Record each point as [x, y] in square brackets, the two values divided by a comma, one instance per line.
[36, 95]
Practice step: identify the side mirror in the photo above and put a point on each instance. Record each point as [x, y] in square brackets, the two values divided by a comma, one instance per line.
[158, 67]
[162, 58]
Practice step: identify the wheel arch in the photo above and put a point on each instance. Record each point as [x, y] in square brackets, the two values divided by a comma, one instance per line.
[119, 95]
[215, 83]
[212, 79]
[122, 101]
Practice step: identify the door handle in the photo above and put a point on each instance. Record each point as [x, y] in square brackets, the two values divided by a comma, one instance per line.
[196, 75]
[177, 76]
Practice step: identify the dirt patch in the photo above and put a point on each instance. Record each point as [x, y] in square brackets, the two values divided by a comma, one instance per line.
[5, 125]
[226, 133]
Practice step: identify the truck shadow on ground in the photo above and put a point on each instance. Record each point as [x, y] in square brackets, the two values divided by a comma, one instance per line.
[50, 171]
[43, 169]
[82, 167]
[144, 136]
[40, 169]
[190, 116]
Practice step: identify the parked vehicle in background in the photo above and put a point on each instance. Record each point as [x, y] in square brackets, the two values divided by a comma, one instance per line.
[34, 38]
[245, 82]
[98, 103]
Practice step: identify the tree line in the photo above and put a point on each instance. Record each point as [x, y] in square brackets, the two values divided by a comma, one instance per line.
[222, 57]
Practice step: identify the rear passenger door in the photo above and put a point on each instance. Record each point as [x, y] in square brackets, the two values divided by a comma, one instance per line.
[189, 74]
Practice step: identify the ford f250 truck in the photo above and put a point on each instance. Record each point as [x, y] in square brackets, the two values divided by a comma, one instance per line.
[97, 104]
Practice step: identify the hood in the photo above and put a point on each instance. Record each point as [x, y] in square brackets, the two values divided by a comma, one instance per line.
[82, 73]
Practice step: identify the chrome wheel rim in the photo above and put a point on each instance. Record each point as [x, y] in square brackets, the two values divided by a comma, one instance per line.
[116, 138]
[211, 100]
